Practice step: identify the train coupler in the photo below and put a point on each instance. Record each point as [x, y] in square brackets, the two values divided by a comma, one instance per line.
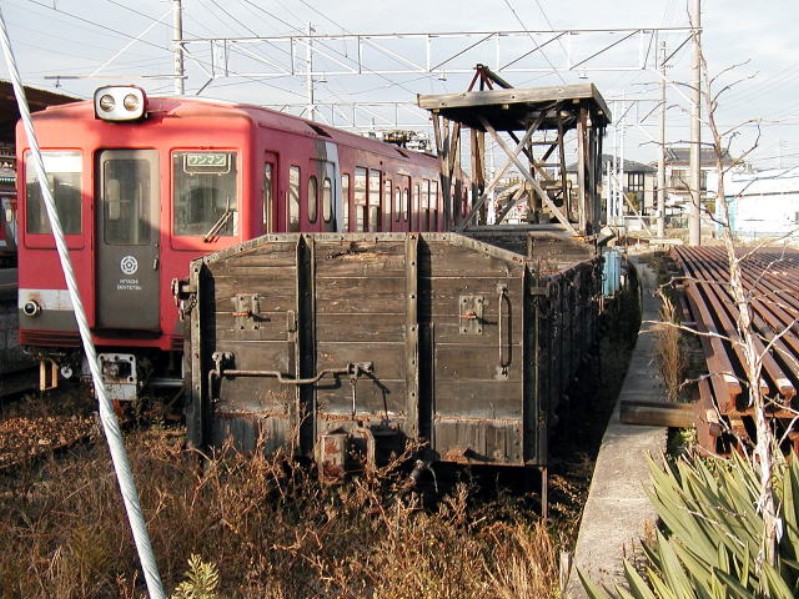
[341, 451]
[119, 376]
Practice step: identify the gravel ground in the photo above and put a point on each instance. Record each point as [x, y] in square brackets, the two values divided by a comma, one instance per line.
[38, 424]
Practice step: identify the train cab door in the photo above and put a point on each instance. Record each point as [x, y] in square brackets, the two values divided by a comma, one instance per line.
[127, 244]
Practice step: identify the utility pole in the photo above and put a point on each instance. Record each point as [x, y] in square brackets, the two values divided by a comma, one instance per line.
[694, 230]
[311, 111]
[614, 182]
[662, 157]
[620, 206]
[177, 47]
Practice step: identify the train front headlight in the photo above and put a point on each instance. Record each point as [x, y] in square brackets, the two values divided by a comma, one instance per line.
[31, 309]
[131, 102]
[107, 103]
[120, 103]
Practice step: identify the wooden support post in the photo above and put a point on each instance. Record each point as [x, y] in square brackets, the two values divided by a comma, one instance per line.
[582, 203]
[412, 335]
[513, 155]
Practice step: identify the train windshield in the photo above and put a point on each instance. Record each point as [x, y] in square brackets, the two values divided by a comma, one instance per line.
[64, 171]
[205, 194]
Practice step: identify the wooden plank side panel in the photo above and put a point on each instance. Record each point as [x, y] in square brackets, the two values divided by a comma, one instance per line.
[360, 328]
[462, 362]
[375, 396]
[377, 294]
[454, 260]
[441, 300]
[255, 393]
[278, 290]
[359, 259]
[271, 251]
[381, 393]
[268, 326]
[388, 359]
[480, 399]
[478, 376]
[479, 441]
[253, 431]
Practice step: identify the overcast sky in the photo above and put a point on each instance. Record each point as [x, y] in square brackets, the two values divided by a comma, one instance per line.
[130, 42]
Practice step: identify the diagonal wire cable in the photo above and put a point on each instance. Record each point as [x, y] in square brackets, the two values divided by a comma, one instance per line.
[108, 418]
[532, 39]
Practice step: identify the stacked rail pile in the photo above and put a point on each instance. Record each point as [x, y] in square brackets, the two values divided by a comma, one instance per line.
[771, 278]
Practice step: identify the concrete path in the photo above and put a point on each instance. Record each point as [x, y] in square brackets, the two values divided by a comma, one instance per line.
[617, 512]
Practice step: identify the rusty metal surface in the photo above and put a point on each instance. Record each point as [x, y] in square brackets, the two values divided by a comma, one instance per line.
[771, 277]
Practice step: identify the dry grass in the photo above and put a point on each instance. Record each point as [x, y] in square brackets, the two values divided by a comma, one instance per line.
[268, 527]
[670, 349]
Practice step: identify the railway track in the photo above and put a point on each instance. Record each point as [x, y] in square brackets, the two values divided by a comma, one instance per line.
[19, 382]
[34, 426]
[771, 277]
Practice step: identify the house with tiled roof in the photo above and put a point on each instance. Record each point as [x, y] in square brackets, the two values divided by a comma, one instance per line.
[678, 177]
[638, 181]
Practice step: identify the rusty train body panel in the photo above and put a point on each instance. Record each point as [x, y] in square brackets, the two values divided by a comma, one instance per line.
[335, 345]
[140, 198]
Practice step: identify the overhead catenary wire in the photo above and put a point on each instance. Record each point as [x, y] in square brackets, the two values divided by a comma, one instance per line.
[108, 418]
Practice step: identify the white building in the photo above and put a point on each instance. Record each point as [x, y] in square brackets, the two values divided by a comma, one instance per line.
[762, 204]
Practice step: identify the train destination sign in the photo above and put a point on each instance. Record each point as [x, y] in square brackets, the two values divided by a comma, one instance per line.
[206, 162]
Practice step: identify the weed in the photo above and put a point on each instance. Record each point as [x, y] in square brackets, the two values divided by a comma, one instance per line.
[670, 351]
[265, 526]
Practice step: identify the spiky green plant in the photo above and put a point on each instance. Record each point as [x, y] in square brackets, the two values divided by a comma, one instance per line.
[712, 532]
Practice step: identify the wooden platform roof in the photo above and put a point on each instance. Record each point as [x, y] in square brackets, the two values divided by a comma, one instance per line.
[517, 108]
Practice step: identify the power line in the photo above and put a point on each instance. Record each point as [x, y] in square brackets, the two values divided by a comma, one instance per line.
[100, 25]
[532, 39]
[233, 18]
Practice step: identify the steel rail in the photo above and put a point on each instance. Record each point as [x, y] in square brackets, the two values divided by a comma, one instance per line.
[718, 292]
[772, 280]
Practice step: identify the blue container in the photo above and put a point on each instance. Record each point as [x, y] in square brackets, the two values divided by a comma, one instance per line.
[611, 272]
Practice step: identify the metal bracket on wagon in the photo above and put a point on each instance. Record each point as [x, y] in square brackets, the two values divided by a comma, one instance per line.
[185, 296]
[223, 359]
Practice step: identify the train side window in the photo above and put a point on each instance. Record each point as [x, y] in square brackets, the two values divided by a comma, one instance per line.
[268, 197]
[205, 193]
[294, 199]
[327, 199]
[64, 171]
[406, 201]
[424, 217]
[313, 198]
[386, 201]
[374, 220]
[397, 204]
[415, 205]
[359, 199]
[434, 208]
[345, 202]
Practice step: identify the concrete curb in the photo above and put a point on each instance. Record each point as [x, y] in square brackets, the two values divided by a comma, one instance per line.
[617, 513]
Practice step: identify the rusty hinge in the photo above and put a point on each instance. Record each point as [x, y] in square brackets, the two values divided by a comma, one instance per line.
[247, 311]
[470, 314]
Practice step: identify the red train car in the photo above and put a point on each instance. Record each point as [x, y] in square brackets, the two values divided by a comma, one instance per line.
[8, 207]
[144, 185]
